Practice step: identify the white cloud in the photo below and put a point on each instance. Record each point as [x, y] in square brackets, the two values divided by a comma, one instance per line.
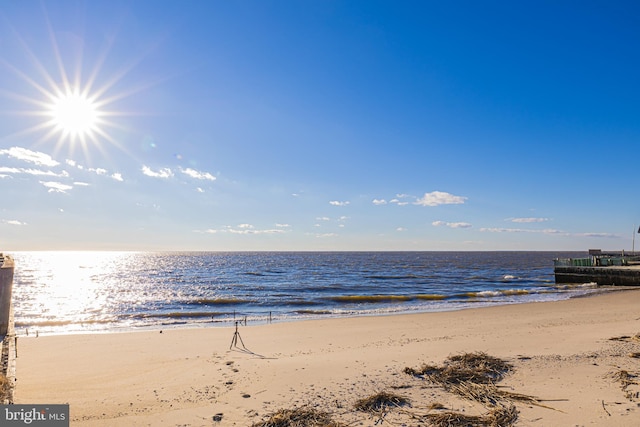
[199, 190]
[117, 177]
[323, 218]
[81, 184]
[451, 224]
[35, 157]
[247, 229]
[379, 202]
[34, 172]
[56, 187]
[14, 222]
[241, 231]
[553, 231]
[337, 203]
[326, 235]
[162, 173]
[600, 235]
[397, 200]
[528, 220]
[504, 230]
[436, 198]
[401, 229]
[252, 231]
[522, 230]
[197, 174]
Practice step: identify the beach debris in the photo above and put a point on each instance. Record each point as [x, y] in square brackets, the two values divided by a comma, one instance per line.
[500, 416]
[478, 368]
[473, 376]
[5, 388]
[626, 338]
[436, 405]
[218, 417]
[380, 401]
[299, 417]
[378, 404]
[626, 380]
[490, 394]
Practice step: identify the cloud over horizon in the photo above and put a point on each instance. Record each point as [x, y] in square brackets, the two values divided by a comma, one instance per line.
[437, 198]
[451, 224]
[527, 220]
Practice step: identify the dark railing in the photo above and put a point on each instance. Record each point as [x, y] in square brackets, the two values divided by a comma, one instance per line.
[598, 261]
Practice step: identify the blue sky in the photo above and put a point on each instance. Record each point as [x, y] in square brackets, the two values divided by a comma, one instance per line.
[320, 125]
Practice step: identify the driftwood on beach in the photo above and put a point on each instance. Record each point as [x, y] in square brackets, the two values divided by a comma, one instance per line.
[472, 376]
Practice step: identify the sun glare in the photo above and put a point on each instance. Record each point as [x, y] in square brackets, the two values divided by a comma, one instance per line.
[74, 114]
[74, 106]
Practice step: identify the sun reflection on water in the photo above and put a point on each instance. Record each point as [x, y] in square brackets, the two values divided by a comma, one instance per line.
[60, 288]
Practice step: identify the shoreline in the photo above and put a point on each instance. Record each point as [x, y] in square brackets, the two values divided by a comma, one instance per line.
[263, 320]
[561, 351]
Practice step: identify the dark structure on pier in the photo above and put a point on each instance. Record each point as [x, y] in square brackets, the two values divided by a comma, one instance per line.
[603, 268]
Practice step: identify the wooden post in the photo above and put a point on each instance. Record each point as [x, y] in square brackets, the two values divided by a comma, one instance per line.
[6, 286]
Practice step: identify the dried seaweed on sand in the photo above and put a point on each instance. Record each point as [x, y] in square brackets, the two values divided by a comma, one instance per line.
[380, 402]
[626, 380]
[298, 417]
[498, 417]
[479, 368]
[490, 394]
[626, 338]
[473, 376]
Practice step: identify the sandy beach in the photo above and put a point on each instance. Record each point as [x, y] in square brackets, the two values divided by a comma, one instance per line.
[575, 357]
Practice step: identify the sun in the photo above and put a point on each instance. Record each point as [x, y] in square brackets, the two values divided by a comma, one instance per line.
[73, 96]
[75, 114]
[72, 105]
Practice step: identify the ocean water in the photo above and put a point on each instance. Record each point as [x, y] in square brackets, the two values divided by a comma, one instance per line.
[72, 292]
